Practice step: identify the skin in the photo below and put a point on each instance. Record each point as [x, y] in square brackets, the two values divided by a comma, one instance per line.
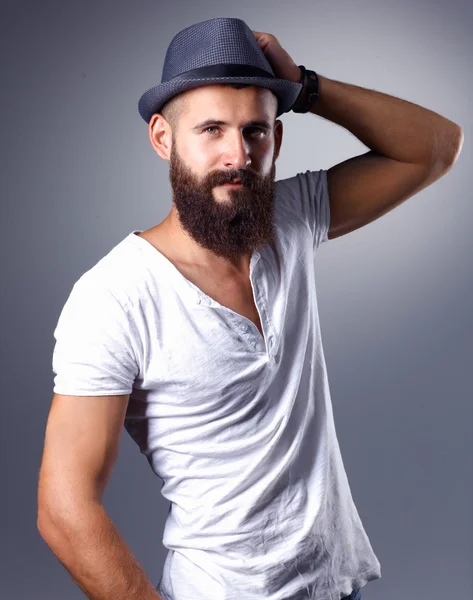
[201, 230]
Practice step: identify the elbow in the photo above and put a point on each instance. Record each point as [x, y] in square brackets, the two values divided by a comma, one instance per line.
[50, 521]
[63, 505]
[459, 139]
[448, 149]
[57, 520]
[48, 510]
[48, 528]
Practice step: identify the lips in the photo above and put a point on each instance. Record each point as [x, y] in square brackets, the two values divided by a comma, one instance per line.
[234, 183]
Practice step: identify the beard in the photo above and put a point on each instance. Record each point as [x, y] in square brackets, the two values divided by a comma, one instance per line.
[238, 225]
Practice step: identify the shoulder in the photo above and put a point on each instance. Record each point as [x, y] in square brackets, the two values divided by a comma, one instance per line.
[304, 200]
[117, 278]
[307, 183]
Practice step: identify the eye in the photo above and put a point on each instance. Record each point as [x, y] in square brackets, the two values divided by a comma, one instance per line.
[257, 129]
[249, 130]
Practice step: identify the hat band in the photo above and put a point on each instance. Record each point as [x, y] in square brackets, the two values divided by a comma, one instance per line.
[224, 70]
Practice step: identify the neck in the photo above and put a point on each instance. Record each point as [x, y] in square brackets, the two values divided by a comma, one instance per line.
[187, 251]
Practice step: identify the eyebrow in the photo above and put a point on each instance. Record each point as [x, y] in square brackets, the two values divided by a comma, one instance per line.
[209, 122]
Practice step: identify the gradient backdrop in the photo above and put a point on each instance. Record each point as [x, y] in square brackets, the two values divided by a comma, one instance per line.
[395, 297]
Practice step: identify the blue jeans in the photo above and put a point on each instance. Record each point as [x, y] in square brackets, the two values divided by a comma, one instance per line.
[355, 595]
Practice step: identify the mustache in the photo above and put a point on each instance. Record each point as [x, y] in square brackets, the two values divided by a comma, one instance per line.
[245, 177]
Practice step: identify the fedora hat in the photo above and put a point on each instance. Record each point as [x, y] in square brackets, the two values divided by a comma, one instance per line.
[222, 50]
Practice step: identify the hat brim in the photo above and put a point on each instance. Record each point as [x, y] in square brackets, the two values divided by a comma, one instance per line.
[154, 99]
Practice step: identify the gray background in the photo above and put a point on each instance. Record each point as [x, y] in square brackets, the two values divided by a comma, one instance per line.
[395, 297]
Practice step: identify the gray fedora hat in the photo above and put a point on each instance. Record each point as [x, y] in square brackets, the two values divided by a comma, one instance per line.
[222, 50]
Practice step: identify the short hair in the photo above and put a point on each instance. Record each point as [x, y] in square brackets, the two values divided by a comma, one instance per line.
[174, 108]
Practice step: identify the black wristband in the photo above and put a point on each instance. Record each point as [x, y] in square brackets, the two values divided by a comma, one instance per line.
[310, 82]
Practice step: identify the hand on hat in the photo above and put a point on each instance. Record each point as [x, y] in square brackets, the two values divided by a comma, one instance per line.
[281, 63]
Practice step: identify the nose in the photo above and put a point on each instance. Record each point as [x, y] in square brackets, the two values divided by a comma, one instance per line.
[236, 154]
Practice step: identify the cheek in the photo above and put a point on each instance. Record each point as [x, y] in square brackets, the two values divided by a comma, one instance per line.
[267, 157]
[200, 156]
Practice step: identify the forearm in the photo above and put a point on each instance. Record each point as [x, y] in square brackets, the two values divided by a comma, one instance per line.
[387, 125]
[94, 553]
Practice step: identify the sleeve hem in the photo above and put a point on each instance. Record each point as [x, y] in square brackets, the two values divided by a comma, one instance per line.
[75, 392]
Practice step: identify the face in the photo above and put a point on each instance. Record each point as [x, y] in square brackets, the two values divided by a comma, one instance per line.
[216, 143]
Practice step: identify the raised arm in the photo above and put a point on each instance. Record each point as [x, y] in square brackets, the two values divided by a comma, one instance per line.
[410, 146]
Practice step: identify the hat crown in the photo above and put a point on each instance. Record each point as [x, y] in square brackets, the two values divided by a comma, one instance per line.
[213, 42]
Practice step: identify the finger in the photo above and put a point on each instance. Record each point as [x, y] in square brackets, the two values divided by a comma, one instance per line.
[260, 35]
[265, 40]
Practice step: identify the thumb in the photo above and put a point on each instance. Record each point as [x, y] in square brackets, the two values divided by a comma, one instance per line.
[280, 61]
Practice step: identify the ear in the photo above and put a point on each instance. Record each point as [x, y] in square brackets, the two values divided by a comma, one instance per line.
[160, 135]
[278, 129]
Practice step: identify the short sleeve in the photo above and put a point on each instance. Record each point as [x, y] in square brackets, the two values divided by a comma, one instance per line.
[93, 353]
[307, 194]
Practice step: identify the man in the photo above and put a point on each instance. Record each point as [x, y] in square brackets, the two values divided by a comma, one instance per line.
[201, 335]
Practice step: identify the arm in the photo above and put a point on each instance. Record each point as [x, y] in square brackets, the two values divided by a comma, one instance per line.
[81, 446]
[410, 148]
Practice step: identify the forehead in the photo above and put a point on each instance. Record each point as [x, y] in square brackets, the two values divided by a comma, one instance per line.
[226, 103]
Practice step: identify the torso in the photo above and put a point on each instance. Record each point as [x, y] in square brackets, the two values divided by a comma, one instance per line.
[235, 294]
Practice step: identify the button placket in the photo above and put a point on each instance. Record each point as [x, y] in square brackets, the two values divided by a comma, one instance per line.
[248, 332]
[267, 327]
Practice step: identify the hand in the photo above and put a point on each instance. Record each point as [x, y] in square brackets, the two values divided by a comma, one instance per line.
[281, 63]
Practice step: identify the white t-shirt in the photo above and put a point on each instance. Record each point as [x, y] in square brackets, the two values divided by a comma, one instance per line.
[239, 428]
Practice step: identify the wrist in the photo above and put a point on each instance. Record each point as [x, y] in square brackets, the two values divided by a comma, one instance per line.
[302, 98]
[309, 92]
[300, 78]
